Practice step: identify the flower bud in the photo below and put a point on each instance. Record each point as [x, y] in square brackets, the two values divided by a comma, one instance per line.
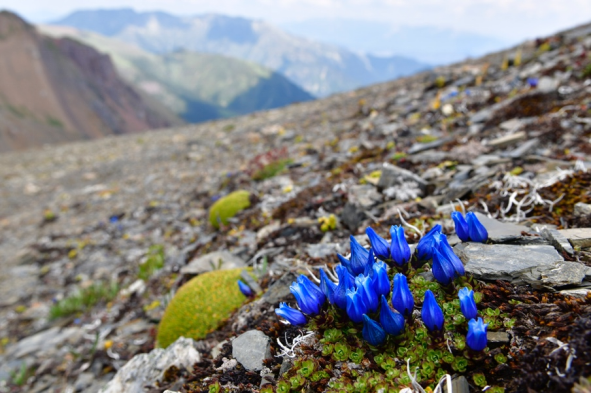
[476, 230]
[402, 298]
[372, 332]
[380, 245]
[356, 308]
[391, 321]
[327, 286]
[346, 281]
[293, 316]
[245, 289]
[359, 257]
[442, 269]
[428, 243]
[399, 249]
[467, 303]
[476, 337]
[461, 226]
[431, 313]
[309, 296]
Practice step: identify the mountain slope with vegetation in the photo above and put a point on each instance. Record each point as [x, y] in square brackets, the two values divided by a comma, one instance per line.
[197, 86]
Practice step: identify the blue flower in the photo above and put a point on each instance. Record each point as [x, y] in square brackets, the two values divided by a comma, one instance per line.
[368, 270]
[372, 332]
[431, 313]
[467, 303]
[402, 299]
[399, 248]
[380, 280]
[293, 316]
[345, 262]
[359, 257]
[370, 298]
[532, 82]
[379, 244]
[476, 337]
[446, 250]
[327, 286]
[442, 269]
[461, 226]
[356, 308]
[346, 281]
[393, 322]
[428, 243]
[309, 296]
[247, 291]
[476, 230]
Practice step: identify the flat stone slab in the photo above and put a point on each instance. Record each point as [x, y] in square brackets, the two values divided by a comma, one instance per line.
[507, 140]
[537, 265]
[499, 232]
[45, 342]
[251, 348]
[207, 263]
[580, 237]
[558, 240]
[325, 250]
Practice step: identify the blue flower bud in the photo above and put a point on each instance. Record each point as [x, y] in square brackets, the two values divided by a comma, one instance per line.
[380, 280]
[442, 269]
[402, 299]
[461, 226]
[346, 281]
[431, 313]
[309, 296]
[327, 286]
[399, 249]
[428, 243]
[446, 250]
[359, 257]
[245, 289]
[372, 332]
[467, 303]
[476, 230]
[368, 294]
[368, 270]
[476, 337]
[379, 244]
[393, 322]
[293, 316]
[345, 262]
[355, 305]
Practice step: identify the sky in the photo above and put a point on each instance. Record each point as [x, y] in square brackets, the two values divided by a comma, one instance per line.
[509, 20]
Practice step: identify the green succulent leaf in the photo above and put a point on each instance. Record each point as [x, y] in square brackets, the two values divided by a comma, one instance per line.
[479, 379]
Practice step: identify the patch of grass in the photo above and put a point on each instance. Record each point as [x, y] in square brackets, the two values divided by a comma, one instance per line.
[84, 299]
[271, 169]
[20, 377]
[154, 262]
[54, 122]
[16, 111]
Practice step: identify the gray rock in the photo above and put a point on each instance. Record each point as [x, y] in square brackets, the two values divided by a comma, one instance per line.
[45, 343]
[420, 147]
[324, 250]
[459, 385]
[497, 337]
[558, 240]
[582, 209]
[285, 366]
[352, 216]
[146, 368]
[538, 265]
[364, 196]
[499, 232]
[84, 380]
[580, 292]
[523, 149]
[512, 124]
[489, 160]
[280, 289]
[251, 282]
[251, 348]
[507, 140]
[547, 84]
[394, 176]
[481, 116]
[578, 237]
[207, 263]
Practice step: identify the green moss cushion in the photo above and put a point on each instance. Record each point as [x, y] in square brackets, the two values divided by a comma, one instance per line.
[200, 306]
[228, 206]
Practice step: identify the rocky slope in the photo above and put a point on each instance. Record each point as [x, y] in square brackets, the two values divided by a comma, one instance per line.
[507, 135]
[318, 68]
[58, 90]
[196, 86]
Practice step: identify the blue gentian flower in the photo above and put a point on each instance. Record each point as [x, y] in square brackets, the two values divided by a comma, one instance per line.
[399, 248]
[355, 305]
[293, 316]
[393, 322]
[345, 262]
[431, 313]
[309, 296]
[532, 82]
[467, 303]
[372, 332]
[447, 251]
[379, 244]
[346, 281]
[380, 280]
[370, 298]
[476, 337]
[402, 299]
[442, 269]
[428, 243]
[476, 230]
[461, 226]
[327, 286]
[245, 289]
[368, 270]
[359, 257]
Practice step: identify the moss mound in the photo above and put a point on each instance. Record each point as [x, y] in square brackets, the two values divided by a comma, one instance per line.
[200, 306]
[228, 206]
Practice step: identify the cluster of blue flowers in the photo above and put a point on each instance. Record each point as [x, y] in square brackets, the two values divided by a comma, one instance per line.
[364, 286]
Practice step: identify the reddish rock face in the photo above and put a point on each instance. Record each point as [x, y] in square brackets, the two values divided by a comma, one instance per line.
[59, 90]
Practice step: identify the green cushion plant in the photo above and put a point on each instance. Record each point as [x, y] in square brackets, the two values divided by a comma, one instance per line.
[228, 206]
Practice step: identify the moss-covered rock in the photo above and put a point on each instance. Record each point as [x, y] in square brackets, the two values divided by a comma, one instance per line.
[228, 206]
[200, 306]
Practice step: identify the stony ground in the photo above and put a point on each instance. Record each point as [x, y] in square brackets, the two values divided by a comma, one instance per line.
[507, 136]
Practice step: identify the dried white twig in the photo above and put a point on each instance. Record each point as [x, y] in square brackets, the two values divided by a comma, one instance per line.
[313, 276]
[331, 274]
[413, 378]
[291, 351]
[409, 225]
